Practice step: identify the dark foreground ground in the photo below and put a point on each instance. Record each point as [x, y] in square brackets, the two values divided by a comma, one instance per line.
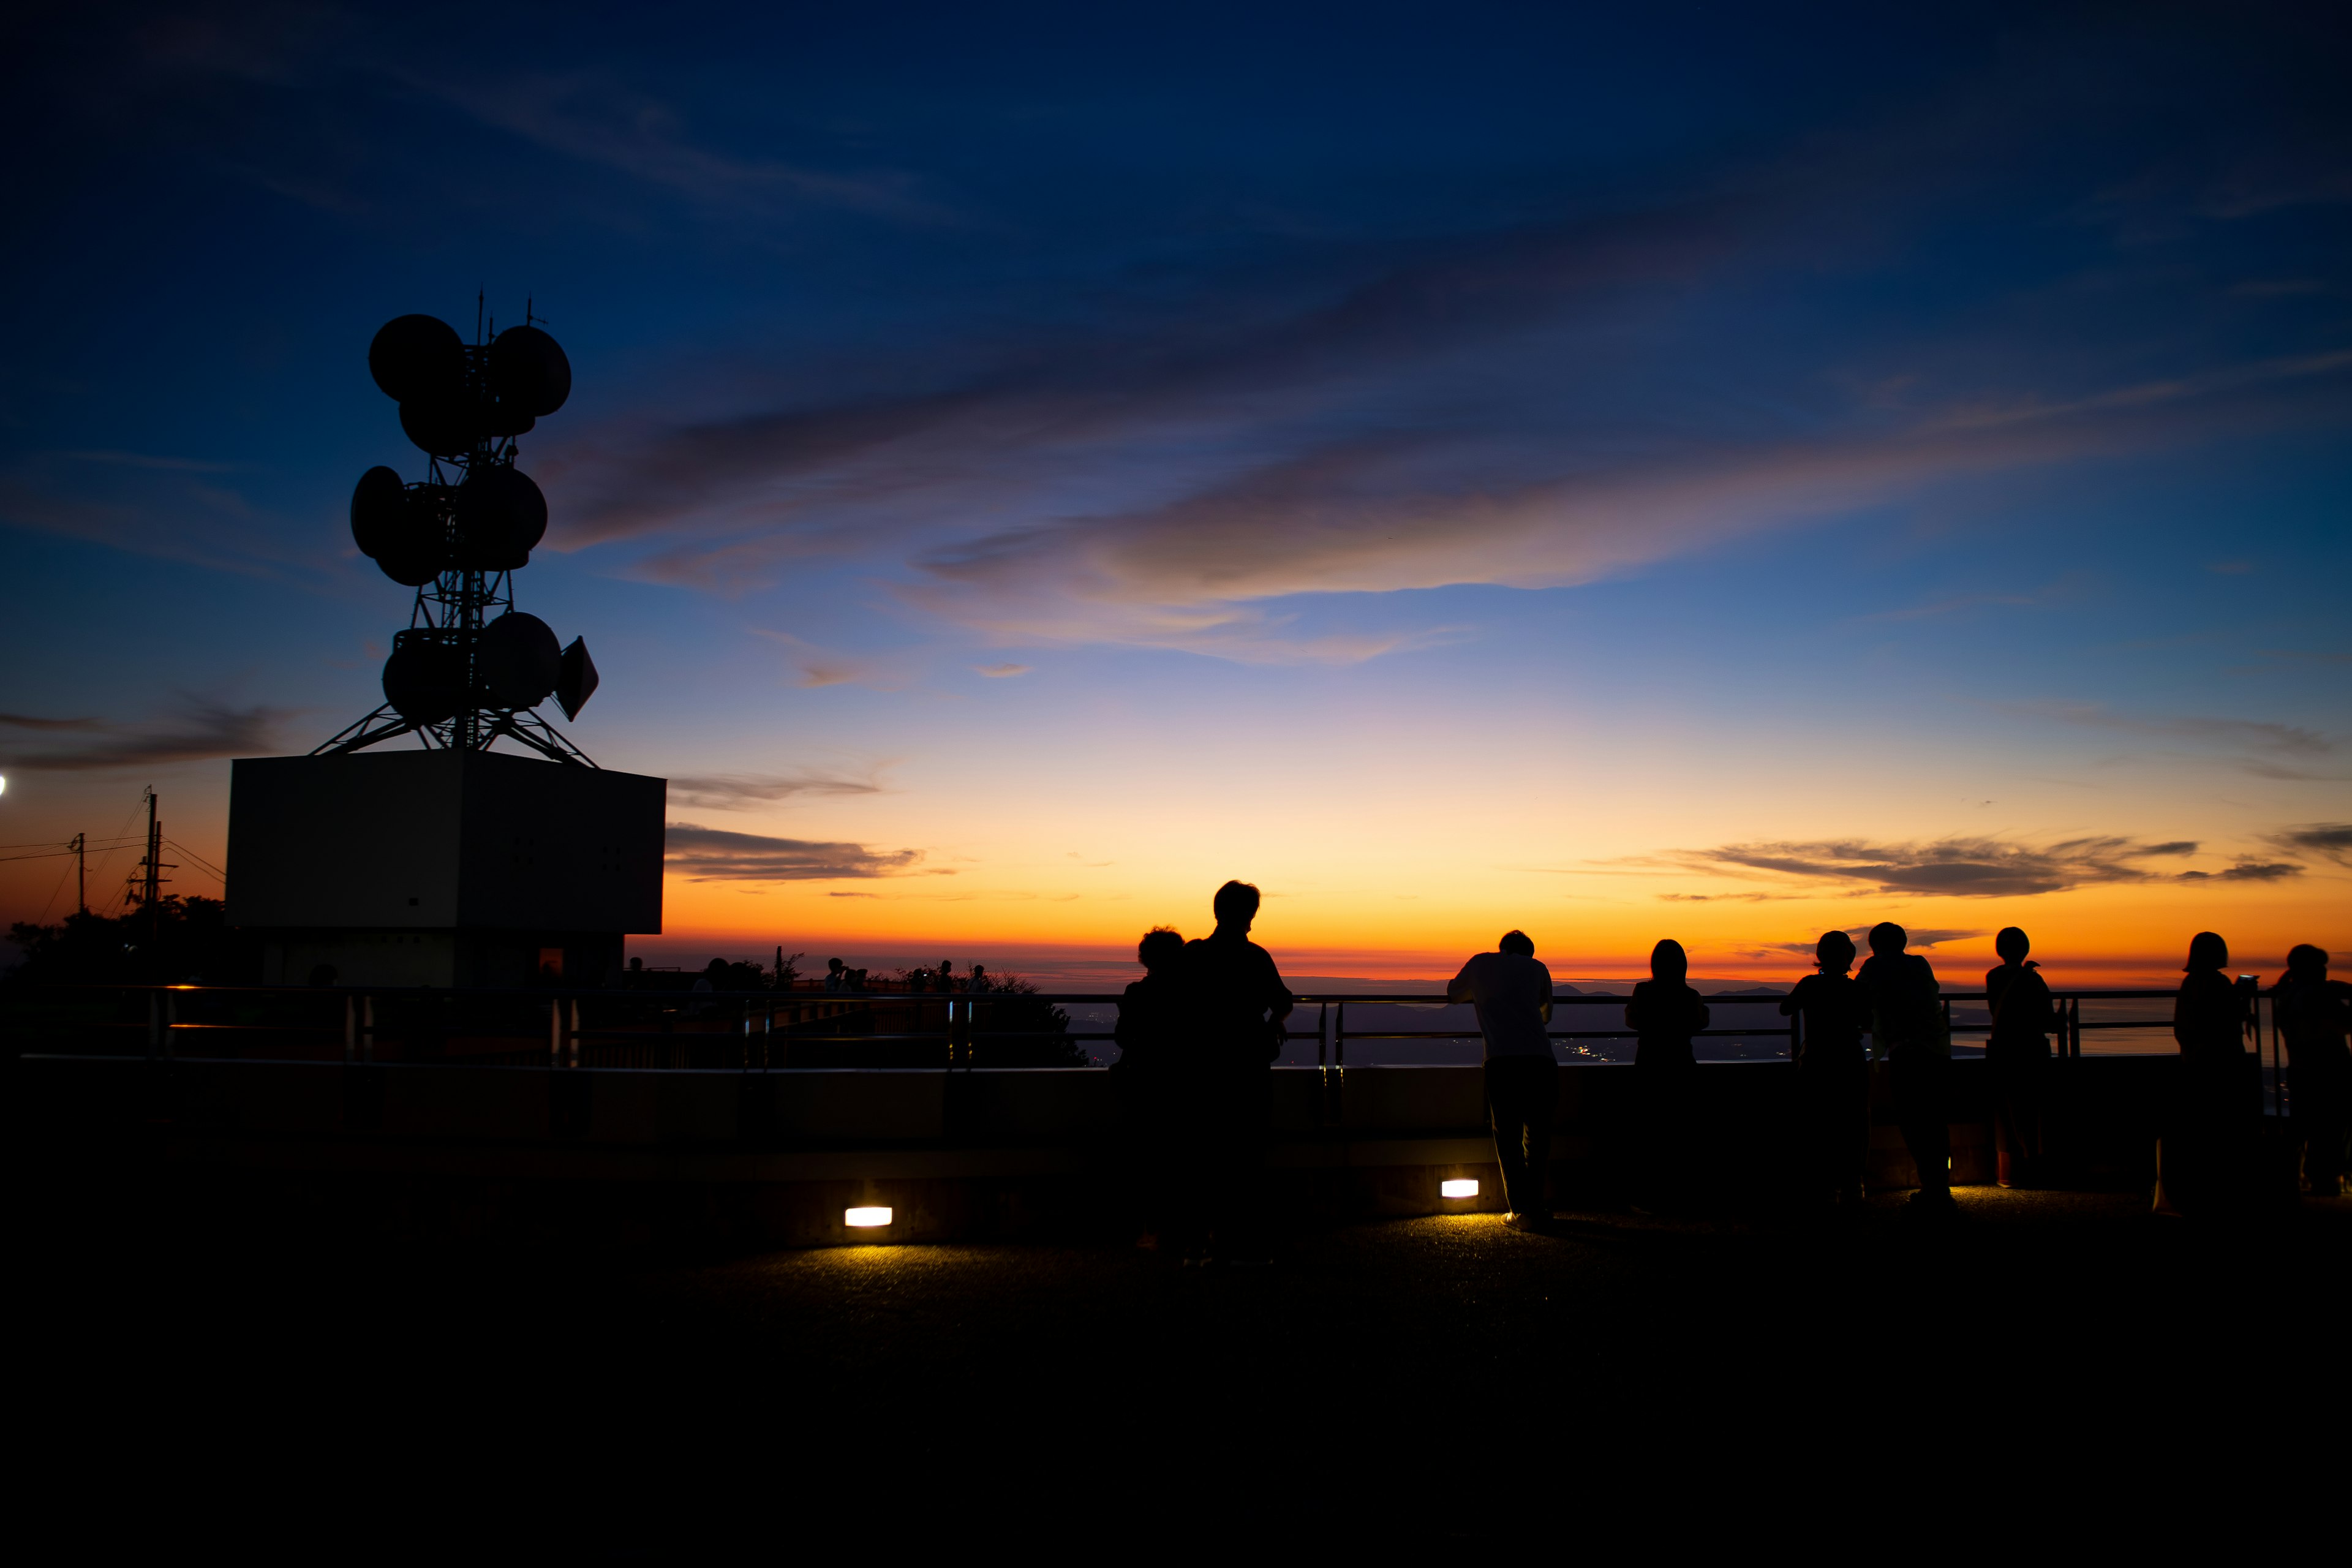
[2050, 1367]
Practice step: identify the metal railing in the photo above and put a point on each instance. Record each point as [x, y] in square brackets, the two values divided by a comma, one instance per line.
[765, 1030]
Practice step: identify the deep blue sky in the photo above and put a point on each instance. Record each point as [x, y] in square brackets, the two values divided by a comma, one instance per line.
[1699, 428]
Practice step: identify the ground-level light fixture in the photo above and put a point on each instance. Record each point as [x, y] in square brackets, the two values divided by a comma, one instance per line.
[865, 1219]
[1460, 1187]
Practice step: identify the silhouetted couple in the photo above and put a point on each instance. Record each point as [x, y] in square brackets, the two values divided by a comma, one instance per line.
[1197, 1038]
[1898, 1000]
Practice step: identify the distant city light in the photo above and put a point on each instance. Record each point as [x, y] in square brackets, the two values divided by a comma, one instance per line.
[1460, 1187]
[865, 1219]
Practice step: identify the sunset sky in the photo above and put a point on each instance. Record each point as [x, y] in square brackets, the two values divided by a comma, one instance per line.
[1717, 472]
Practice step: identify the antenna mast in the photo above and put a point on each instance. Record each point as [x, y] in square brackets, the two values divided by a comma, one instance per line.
[470, 669]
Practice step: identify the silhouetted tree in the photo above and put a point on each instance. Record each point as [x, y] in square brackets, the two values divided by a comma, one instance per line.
[1012, 1003]
[186, 939]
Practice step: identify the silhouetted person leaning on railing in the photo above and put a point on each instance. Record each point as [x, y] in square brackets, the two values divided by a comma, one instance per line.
[1832, 1074]
[2209, 1120]
[1664, 1011]
[1238, 1004]
[2017, 1054]
[2314, 1015]
[1512, 992]
[1150, 1036]
[1906, 1021]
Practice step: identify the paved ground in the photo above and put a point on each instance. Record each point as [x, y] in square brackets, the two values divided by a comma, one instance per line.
[1350, 1393]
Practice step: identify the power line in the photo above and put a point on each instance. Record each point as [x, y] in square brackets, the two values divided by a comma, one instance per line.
[202, 864]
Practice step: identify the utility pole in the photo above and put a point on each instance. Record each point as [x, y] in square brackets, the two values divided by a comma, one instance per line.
[151, 889]
[80, 847]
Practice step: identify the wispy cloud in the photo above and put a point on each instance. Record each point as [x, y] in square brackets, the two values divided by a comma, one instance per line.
[1921, 936]
[2246, 871]
[714, 855]
[1954, 867]
[740, 792]
[999, 671]
[2331, 840]
[29, 721]
[200, 730]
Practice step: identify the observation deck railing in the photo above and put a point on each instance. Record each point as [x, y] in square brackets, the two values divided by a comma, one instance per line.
[762, 1031]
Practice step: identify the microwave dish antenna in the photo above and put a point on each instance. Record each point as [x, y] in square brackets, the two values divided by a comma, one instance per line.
[470, 669]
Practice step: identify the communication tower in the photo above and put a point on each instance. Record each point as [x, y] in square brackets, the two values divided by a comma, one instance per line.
[447, 863]
[470, 670]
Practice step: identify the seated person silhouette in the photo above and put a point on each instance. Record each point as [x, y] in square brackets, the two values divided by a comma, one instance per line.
[1664, 1013]
[1512, 992]
[1238, 1001]
[1907, 1022]
[1150, 1034]
[836, 975]
[1832, 1074]
[2017, 1054]
[2313, 1014]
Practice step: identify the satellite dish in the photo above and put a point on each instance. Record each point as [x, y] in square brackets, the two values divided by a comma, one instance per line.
[445, 426]
[379, 511]
[417, 359]
[424, 678]
[528, 372]
[501, 516]
[405, 526]
[576, 681]
[518, 660]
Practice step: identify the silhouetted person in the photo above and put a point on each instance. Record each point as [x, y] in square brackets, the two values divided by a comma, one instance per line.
[1512, 992]
[2314, 1015]
[1906, 1020]
[1832, 1074]
[2017, 1054]
[2200, 1153]
[1664, 1011]
[705, 983]
[836, 975]
[1239, 1002]
[979, 981]
[1151, 1036]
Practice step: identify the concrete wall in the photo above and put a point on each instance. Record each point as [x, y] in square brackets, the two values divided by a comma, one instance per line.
[418, 840]
[774, 1158]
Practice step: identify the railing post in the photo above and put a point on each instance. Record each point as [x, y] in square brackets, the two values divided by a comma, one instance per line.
[575, 1032]
[555, 1032]
[367, 1028]
[154, 1023]
[350, 1029]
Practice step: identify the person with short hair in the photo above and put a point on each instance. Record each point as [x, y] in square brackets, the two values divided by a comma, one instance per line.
[1150, 1036]
[1512, 991]
[2312, 1014]
[2017, 1055]
[1239, 1003]
[1664, 1013]
[836, 975]
[1832, 1074]
[1906, 1022]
